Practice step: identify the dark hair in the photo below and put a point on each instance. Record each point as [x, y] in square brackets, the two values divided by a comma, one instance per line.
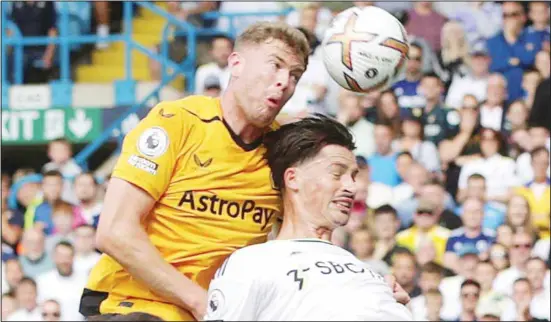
[432, 268]
[134, 316]
[52, 173]
[405, 252]
[385, 209]
[538, 150]
[64, 243]
[470, 282]
[27, 280]
[432, 75]
[406, 153]
[296, 142]
[476, 176]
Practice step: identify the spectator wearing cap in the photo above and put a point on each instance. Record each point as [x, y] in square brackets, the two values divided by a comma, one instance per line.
[536, 272]
[471, 233]
[475, 82]
[439, 122]
[538, 191]
[407, 89]
[221, 48]
[425, 238]
[451, 286]
[538, 12]
[514, 49]
[424, 152]
[498, 170]
[350, 114]
[481, 20]
[494, 215]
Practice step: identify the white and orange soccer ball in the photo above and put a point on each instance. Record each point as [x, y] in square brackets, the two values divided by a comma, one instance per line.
[365, 49]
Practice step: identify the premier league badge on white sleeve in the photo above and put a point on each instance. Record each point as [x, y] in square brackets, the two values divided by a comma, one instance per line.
[215, 303]
[153, 142]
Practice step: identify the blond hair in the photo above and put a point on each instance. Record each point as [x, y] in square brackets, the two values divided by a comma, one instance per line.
[263, 31]
[454, 43]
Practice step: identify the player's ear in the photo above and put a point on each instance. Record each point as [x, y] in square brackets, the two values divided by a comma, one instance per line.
[290, 178]
[235, 62]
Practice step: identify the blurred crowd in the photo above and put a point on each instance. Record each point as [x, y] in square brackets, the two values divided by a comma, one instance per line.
[454, 158]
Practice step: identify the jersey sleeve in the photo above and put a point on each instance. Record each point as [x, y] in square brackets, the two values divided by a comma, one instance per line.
[150, 150]
[234, 292]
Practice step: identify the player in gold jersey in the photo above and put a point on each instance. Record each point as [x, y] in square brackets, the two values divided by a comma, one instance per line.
[191, 185]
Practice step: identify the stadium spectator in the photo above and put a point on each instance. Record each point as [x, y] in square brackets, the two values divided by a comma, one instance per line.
[519, 216]
[513, 50]
[454, 56]
[433, 302]
[538, 137]
[13, 274]
[86, 255]
[536, 272]
[382, 163]
[9, 305]
[26, 295]
[424, 22]
[63, 283]
[498, 170]
[473, 82]
[362, 245]
[542, 63]
[60, 152]
[481, 20]
[531, 78]
[470, 293]
[350, 114]
[470, 234]
[504, 235]
[494, 215]
[541, 249]
[537, 193]
[515, 128]
[407, 89]
[51, 311]
[434, 191]
[12, 228]
[522, 296]
[411, 140]
[429, 279]
[386, 224]
[386, 109]
[86, 190]
[404, 268]
[538, 12]
[34, 258]
[406, 194]
[425, 238]
[485, 274]
[221, 48]
[493, 110]
[440, 123]
[64, 219]
[35, 18]
[499, 256]
[451, 286]
[519, 253]
[403, 161]
[52, 186]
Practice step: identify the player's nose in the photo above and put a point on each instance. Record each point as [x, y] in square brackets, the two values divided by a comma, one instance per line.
[283, 79]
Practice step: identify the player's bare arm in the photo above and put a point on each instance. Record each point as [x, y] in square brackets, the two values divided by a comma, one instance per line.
[121, 235]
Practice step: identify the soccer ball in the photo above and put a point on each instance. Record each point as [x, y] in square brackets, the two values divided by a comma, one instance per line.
[365, 49]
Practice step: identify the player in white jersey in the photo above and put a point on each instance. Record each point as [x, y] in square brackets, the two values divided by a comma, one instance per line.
[301, 275]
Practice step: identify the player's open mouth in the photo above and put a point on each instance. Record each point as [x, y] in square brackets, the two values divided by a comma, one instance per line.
[344, 205]
[273, 102]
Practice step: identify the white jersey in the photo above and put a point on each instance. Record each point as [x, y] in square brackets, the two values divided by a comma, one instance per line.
[300, 279]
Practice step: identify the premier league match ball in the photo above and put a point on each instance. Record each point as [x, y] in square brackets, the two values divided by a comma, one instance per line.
[365, 49]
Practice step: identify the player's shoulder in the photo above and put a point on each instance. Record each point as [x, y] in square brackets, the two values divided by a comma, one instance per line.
[191, 108]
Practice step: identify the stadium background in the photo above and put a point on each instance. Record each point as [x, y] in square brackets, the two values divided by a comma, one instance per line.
[90, 94]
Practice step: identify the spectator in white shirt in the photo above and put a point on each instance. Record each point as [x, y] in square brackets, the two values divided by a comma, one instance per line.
[536, 270]
[498, 170]
[486, 272]
[538, 136]
[522, 297]
[13, 273]
[51, 311]
[470, 293]
[475, 82]
[519, 253]
[86, 191]
[423, 306]
[492, 111]
[86, 255]
[362, 245]
[9, 305]
[541, 249]
[350, 114]
[221, 48]
[63, 284]
[26, 295]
